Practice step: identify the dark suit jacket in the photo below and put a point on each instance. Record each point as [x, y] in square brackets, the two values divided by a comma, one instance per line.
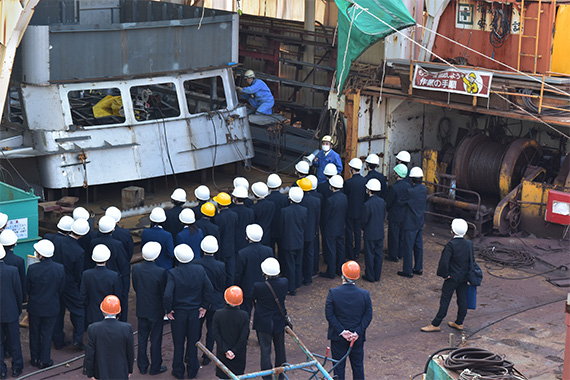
[355, 190]
[20, 264]
[263, 212]
[383, 183]
[293, 220]
[192, 238]
[149, 282]
[348, 308]
[267, 317]
[280, 201]
[10, 293]
[230, 328]
[396, 209]
[313, 205]
[124, 236]
[173, 224]
[227, 221]
[159, 235]
[96, 284]
[373, 218]
[197, 210]
[56, 239]
[325, 190]
[110, 352]
[248, 266]
[216, 272]
[415, 205]
[118, 261]
[245, 218]
[454, 260]
[46, 281]
[208, 228]
[72, 259]
[188, 288]
[334, 214]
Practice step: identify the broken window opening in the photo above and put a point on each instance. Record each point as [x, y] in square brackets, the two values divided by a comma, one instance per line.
[205, 95]
[96, 107]
[155, 101]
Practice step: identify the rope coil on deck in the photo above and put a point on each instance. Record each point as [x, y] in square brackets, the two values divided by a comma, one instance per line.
[478, 363]
[507, 257]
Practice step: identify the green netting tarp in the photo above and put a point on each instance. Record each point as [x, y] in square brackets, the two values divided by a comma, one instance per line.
[363, 22]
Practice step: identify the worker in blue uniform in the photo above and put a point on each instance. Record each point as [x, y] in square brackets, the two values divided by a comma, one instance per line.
[396, 211]
[149, 283]
[157, 233]
[333, 232]
[279, 200]
[121, 234]
[355, 190]
[372, 166]
[227, 221]
[348, 310]
[172, 223]
[326, 156]
[45, 283]
[245, 216]
[208, 211]
[263, 210]
[257, 94]
[411, 244]
[191, 234]
[186, 299]
[373, 216]
[311, 228]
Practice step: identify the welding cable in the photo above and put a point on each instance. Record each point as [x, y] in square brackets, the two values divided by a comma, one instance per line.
[507, 257]
[560, 267]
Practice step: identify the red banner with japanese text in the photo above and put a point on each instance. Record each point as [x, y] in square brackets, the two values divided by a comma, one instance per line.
[458, 81]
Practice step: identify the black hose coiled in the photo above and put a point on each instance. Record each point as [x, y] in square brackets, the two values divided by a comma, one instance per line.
[481, 361]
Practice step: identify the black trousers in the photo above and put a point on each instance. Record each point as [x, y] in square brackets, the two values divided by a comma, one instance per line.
[334, 254]
[293, 261]
[247, 305]
[10, 331]
[185, 331]
[265, 340]
[373, 259]
[316, 253]
[394, 230]
[152, 328]
[460, 289]
[411, 246]
[352, 237]
[339, 349]
[308, 261]
[70, 300]
[41, 331]
[230, 268]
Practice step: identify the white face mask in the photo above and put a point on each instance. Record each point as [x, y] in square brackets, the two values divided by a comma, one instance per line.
[326, 147]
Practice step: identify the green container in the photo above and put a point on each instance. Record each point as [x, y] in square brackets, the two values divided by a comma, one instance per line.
[22, 210]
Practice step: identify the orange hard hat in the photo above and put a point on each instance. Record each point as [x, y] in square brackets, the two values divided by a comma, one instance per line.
[111, 305]
[223, 199]
[351, 270]
[208, 209]
[305, 184]
[233, 295]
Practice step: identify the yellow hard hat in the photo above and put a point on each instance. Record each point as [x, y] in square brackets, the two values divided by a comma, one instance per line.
[208, 209]
[223, 199]
[326, 138]
[305, 184]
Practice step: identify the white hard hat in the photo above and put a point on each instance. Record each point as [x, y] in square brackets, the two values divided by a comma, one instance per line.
[459, 227]
[404, 156]
[241, 181]
[183, 253]
[45, 248]
[313, 180]
[151, 250]
[240, 192]
[3, 220]
[260, 189]
[327, 138]
[355, 163]
[302, 167]
[107, 224]
[100, 253]
[296, 194]
[202, 193]
[254, 232]
[157, 215]
[80, 227]
[80, 213]
[249, 74]
[270, 266]
[8, 238]
[330, 169]
[178, 195]
[336, 181]
[187, 216]
[65, 223]
[2, 252]
[416, 172]
[114, 213]
[273, 181]
[209, 244]
[373, 159]
[373, 185]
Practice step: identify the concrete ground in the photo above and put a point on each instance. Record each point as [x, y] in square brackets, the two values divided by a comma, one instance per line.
[521, 319]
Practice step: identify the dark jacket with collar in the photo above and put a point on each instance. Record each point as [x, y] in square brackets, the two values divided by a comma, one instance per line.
[396, 193]
[348, 308]
[10, 293]
[373, 218]
[245, 218]
[293, 220]
[248, 266]
[46, 282]
[72, 260]
[455, 259]
[216, 272]
[208, 228]
[96, 284]
[118, 261]
[280, 201]
[313, 205]
[20, 264]
[188, 288]
[227, 221]
[173, 223]
[415, 202]
[149, 282]
[263, 212]
[380, 177]
[124, 236]
[159, 235]
[230, 328]
[267, 317]
[334, 214]
[355, 190]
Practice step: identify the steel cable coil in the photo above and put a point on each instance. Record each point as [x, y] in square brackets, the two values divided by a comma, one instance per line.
[486, 364]
[507, 257]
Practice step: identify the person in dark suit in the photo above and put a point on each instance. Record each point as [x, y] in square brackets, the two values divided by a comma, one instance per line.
[85, 241]
[324, 190]
[404, 158]
[202, 194]
[412, 226]
[333, 234]
[216, 272]
[10, 310]
[149, 282]
[186, 298]
[279, 200]
[396, 211]
[158, 234]
[110, 351]
[243, 182]
[311, 228]
[316, 241]
[72, 258]
[46, 282]
[268, 321]
[208, 211]
[263, 210]
[355, 190]
[245, 216]
[121, 234]
[63, 229]
[249, 264]
[97, 283]
[172, 223]
[118, 261]
[293, 220]
[227, 220]
[373, 217]
[191, 234]
[349, 312]
[231, 330]
[372, 164]
[454, 268]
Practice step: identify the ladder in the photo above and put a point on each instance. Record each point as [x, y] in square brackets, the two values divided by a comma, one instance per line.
[536, 56]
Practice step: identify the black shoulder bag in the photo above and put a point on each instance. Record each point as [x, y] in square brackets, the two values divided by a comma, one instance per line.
[284, 314]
